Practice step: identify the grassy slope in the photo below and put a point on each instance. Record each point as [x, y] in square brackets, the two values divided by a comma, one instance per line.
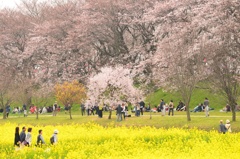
[216, 101]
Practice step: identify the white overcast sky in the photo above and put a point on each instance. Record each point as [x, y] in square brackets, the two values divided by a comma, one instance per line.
[12, 3]
[9, 3]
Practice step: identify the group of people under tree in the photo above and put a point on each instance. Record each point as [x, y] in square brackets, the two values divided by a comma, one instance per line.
[228, 108]
[121, 112]
[93, 109]
[139, 108]
[24, 139]
[163, 107]
[121, 109]
[34, 109]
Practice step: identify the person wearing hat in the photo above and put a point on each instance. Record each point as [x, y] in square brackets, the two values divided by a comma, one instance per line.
[228, 126]
[54, 138]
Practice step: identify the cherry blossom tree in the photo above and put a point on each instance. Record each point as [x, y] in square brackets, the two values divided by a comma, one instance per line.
[185, 30]
[179, 57]
[64, 40]
[93, 33]
[113, 85]
[224, 56]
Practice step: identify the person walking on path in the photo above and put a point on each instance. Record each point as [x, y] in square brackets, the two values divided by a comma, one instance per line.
[206, 107]
[55, 106]
[119, 113]
[123, 111]
[138, 109]
[8, 109]
[100, 111]
[82, 107]
[171, 107]
[24, 110]
[142, 106]
[135, 109]
[162, 107]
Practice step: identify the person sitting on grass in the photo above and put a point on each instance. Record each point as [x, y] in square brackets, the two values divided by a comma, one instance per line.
[180, 106]
[199, 108]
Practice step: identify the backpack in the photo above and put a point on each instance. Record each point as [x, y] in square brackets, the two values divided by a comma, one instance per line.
[52, 140]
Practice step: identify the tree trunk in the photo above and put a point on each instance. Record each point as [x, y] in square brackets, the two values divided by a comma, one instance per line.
[233, 108]
[186, 100]
[70, 112]
[110, 114]
[37, 113]
[232, 103]
[188, 112]
[4, 113]
[3, 107]
[233, 115]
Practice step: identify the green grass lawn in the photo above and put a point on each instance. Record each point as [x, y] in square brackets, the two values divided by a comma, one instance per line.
[179, 120]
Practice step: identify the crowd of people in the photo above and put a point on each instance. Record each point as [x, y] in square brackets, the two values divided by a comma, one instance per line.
[122, 110]
[137, 108]
[25, 139]
[33, 109]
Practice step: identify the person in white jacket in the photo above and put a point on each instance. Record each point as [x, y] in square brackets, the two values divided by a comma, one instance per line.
[28, 139]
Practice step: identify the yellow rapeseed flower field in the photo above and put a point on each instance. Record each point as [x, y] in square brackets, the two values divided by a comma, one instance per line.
[93, 141]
